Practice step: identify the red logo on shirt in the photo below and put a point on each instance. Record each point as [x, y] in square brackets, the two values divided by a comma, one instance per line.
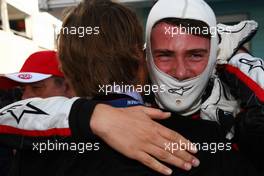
[25, 76]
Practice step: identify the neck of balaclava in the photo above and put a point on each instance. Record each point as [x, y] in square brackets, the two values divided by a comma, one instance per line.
[197, 104]
[193, 109]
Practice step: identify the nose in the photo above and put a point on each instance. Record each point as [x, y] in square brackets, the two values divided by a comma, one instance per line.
[27, 93]
[179, 69]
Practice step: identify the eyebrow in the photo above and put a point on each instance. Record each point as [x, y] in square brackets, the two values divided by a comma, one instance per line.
[197, 50]
[163, 51]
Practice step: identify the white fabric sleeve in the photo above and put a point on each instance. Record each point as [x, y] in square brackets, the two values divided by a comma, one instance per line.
[37, 117]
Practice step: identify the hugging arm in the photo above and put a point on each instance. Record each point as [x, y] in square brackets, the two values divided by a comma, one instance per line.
[131, 131]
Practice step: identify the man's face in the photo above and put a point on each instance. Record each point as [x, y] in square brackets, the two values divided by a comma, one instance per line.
[43, 89]
[182, 55]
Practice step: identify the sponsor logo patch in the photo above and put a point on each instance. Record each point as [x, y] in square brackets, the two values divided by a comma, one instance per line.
[25, 76]
[180, 90]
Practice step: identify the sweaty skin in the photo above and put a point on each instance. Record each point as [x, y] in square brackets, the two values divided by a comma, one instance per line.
[182, 56]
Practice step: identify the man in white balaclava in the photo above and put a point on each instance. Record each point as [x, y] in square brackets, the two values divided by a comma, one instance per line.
[184, 46]
[166, 30]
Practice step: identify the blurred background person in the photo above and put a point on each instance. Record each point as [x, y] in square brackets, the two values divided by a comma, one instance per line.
[39, 77]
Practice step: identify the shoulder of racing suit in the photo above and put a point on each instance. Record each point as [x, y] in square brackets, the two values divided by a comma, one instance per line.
[38, 119]
[244, 75]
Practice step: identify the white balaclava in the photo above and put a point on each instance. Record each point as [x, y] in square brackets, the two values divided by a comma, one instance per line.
[184, 96]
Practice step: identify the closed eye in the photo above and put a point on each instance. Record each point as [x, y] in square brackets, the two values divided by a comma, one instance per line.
[197, 54]
[163, 55]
